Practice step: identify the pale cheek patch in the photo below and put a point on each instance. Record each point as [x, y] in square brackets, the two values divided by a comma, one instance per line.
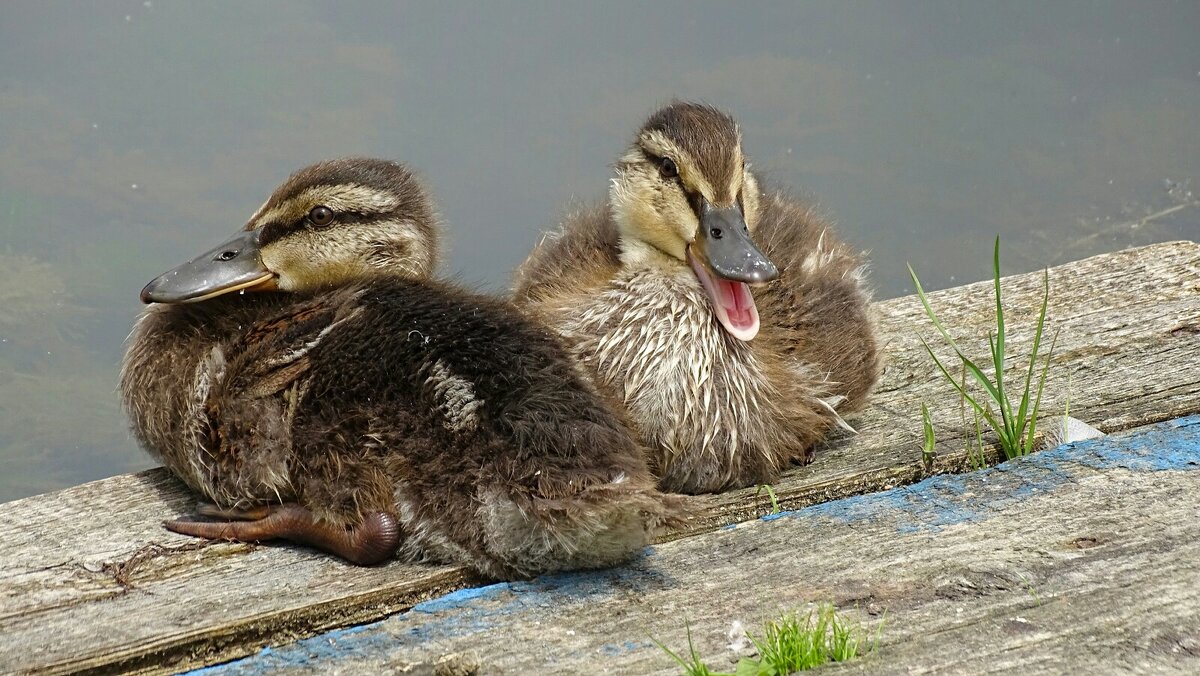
[307, 260]
[644, 213]
[299, 263]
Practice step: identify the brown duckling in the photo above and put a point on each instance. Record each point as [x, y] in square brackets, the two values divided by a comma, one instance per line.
[367, 411]
[727, 316]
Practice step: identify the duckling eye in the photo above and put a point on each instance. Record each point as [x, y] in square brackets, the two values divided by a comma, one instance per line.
[321, 215]
[668, 168]
[716, 233]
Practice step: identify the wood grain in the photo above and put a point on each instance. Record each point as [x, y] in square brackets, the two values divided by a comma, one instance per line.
[90, 581]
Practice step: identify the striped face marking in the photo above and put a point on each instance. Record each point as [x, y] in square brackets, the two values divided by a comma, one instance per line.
[341, 198]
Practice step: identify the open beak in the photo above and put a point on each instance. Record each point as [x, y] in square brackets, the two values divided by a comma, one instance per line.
[726, 261]
[235, 265]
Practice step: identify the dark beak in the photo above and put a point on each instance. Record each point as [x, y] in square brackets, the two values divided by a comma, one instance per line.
[233, 266]
[724, 245]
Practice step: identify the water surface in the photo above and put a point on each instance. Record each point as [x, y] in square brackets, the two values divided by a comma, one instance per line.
[134, 134]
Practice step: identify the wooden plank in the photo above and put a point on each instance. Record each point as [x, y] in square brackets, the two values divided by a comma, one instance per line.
[1079, 560]
[79, 563]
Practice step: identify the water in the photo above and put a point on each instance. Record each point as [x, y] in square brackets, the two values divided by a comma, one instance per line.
[133, 135]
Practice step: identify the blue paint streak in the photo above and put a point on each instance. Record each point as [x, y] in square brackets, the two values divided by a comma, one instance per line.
[460, 598]
[923, 507]
[459, 613]
[612, 649]
[947, 500]
[304, 653]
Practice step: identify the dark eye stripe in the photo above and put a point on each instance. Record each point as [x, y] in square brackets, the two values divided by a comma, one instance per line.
[695, 199]
[279, 229]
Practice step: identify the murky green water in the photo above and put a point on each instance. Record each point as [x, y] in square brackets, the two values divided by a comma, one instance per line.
[133, 134]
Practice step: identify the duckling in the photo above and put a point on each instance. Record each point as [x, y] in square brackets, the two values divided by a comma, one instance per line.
[311, 382]
[728, 317]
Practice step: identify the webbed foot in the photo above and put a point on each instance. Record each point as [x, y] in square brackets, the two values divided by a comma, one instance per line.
[372, 541]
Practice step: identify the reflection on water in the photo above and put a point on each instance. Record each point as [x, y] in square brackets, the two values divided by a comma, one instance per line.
[135, 134]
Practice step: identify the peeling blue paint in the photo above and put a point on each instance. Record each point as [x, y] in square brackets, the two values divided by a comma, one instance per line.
[927, 506]
[947, 500]
[460, 598]
[460, 613]
[304, 653]
[613, 649]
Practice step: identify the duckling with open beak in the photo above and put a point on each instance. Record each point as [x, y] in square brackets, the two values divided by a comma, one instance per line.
[728, 318]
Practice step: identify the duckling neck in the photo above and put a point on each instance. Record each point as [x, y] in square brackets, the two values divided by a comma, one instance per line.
[638, 256]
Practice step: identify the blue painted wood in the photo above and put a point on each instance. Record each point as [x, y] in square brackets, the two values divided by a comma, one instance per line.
[926, 507]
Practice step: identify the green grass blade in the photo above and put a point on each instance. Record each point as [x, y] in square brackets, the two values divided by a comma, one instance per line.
[961, 390]
[1006, 434]
[930, 313]
[1037, 402]
[998, 345]
[1037, 341]
[981, 378]
[927, 426]
[696, 667]
[979, 443]
[751, 667]
[976, 372]
[770, 493]
[670, 652]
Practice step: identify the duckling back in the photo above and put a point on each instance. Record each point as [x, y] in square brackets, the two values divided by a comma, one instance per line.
[493, 448]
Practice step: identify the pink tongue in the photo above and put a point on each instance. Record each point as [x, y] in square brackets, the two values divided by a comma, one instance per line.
[732, 302]
[738, 303]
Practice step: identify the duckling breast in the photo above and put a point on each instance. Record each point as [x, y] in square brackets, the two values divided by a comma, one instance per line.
[712, 408]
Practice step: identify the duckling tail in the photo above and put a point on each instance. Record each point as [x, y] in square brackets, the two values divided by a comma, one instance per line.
[599, 526]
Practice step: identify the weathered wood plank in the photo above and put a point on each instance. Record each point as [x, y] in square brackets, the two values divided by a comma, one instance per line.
[1079, 560]
[78, 564]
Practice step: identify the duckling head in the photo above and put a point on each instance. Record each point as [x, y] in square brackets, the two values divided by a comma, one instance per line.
[330, 224]
[683, 196]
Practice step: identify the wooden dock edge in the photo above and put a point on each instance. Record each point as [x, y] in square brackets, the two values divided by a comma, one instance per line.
[81, 592]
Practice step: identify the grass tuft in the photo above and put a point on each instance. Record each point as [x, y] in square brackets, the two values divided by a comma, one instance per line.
[1014, 425]
[789, 644]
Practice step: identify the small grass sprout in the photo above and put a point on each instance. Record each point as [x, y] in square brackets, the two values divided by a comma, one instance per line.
[1037, 600]
[770, 490]
[693, 666]
[927, 452]
[1014, 425]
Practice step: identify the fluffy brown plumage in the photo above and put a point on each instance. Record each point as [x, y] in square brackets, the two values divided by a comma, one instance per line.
[723, 400]
[369, 412]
